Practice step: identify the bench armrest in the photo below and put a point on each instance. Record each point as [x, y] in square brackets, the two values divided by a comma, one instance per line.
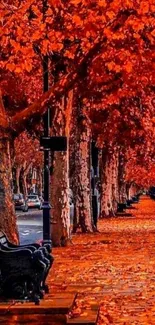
[15, 248]
[15, 253]
[36, 245]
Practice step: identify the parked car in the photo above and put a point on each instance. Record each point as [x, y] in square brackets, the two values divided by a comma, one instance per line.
[33, 201]
[20, 202]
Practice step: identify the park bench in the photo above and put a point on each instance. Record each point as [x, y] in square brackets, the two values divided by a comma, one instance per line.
[152, 196]
[122, 206]
[134, 199]
[24, 269]
[129, 202]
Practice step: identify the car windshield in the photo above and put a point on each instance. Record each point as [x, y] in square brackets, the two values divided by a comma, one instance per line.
[32, 197]
[17, 196]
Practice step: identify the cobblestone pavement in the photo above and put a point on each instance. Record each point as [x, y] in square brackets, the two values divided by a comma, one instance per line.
[114, 267]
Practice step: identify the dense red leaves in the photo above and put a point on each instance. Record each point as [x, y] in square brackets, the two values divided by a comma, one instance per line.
[140, 167]
[73, 26]
[27, 152]
[121, 77]
[71, 29]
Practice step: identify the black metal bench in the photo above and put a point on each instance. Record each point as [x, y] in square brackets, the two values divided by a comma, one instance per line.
[135, 199]
[152, 196]
[24, 269]
[129, 202]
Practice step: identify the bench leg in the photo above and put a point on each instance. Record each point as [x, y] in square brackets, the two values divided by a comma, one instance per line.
[45, 286]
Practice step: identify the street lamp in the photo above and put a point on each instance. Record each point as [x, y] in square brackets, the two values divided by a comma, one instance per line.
[46, 119]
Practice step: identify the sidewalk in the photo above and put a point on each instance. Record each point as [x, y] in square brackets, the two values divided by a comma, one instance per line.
[112, 270]
[115, 268]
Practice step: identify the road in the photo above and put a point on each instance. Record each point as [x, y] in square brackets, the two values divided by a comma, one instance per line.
[30, 225]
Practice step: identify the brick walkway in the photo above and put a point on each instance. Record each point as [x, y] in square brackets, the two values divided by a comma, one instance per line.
[115, 268]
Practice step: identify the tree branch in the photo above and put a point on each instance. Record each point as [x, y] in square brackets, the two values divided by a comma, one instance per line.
[32, 114]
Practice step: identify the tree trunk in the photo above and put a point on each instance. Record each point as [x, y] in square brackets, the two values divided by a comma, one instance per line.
[80, 176]
[24, 185]
[132, 190]
[60, 228]
[7, 210]
[128, 190]
[115, 194]
[109, 183]
[121, 179]
[18, 170]
[24, 179]
[106, 195]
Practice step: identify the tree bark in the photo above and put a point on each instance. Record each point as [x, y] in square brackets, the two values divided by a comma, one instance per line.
[60, 230]
[24, 185]
[80, 176]
[18, 170]
[106, 199]
[115, 193]
[109, 183]
[26, 170]
[60, 227]
[7, 210]
[121, 178]
[131, 190]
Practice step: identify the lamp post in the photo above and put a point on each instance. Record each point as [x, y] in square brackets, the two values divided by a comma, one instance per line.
[46, 121]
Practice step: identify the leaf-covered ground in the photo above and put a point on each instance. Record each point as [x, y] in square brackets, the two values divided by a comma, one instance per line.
[115, 267]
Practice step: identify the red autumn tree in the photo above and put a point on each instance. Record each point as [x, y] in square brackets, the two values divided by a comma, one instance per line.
[89, 28]
[26, 156]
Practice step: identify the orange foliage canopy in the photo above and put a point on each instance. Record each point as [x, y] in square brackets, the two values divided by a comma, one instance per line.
[120, 76]
[140, 167]
[71, 27]
[27, 151]
[123, 65]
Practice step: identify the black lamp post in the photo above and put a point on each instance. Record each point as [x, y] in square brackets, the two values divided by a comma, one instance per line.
[46, 205]
[46, 119]
[94, 158]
